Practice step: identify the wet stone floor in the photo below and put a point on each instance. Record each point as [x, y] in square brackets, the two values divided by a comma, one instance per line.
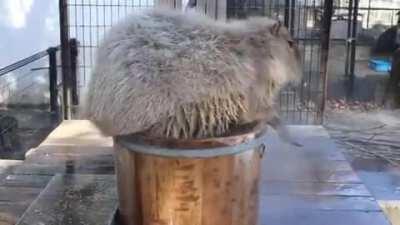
[371, 143]
[310, 185]
[74, 200]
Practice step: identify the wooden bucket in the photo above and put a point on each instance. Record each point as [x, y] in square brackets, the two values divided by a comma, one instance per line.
[189, 182]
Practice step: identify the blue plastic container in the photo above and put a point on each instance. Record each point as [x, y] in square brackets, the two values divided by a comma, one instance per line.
[380, 65]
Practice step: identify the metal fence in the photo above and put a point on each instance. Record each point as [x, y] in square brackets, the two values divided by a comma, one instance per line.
[28, 89]
[303, 103]
[355, 23]
[89, 20]
[356, 26]
[31, 81]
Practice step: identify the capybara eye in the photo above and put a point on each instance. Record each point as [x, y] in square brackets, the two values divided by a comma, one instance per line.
[291, 43]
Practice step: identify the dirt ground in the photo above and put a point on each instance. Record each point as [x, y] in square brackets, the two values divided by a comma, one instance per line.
[367, 133]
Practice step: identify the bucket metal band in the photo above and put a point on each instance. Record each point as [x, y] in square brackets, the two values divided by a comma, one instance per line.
[251, 145]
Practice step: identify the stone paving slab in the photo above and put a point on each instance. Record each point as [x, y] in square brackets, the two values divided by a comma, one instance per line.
[320, 203]
[14, 201]
[6, 165]
[381, 178]
[33, 181]
[67, 151]
[11, 211]
[277, 216]
[74, 200]
[319, 160]
[311, 185]
[80, 161]
[77, 133]
[314, 189]
[11, 194]
[68, 168]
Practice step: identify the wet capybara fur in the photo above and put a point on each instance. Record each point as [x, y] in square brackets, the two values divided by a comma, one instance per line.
[181, 75]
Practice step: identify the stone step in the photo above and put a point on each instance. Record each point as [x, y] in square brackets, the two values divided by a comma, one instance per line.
[71, 199]
[19, 181]
[6, 164]
[65, 167]
[48, 151]
[49, 160]
[77, 160]
[77, 133]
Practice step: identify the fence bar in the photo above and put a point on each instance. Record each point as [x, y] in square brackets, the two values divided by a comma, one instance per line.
[23, 62]
[65, 58]
[392, 92]
[369, 12]
[350, 13]
[325, 36]
[292, 16]
[74, 68]
[287, 12]
[53, 79]
[353, 48]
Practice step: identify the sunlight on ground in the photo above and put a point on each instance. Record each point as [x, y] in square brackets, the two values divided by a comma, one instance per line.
[392, 211]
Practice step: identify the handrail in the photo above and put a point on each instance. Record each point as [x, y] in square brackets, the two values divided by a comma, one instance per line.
[52, 55]
[52, 73]
[26, 61]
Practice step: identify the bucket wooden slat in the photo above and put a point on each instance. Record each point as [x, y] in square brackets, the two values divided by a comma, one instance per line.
[160, 190]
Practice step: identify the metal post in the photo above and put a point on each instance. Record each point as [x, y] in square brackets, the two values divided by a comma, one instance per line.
[325, 38]
[369, 11]
[353, 48]
[74, 69]
[65, 58]
[350, 8]
[286, 18]
[398, 18]
[392, 93]
[292, 16]
[53, 79]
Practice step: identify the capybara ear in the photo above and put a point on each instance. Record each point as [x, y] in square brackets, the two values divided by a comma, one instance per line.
[276, 28]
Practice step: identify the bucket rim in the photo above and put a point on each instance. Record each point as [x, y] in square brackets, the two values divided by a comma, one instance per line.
[195, 148]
